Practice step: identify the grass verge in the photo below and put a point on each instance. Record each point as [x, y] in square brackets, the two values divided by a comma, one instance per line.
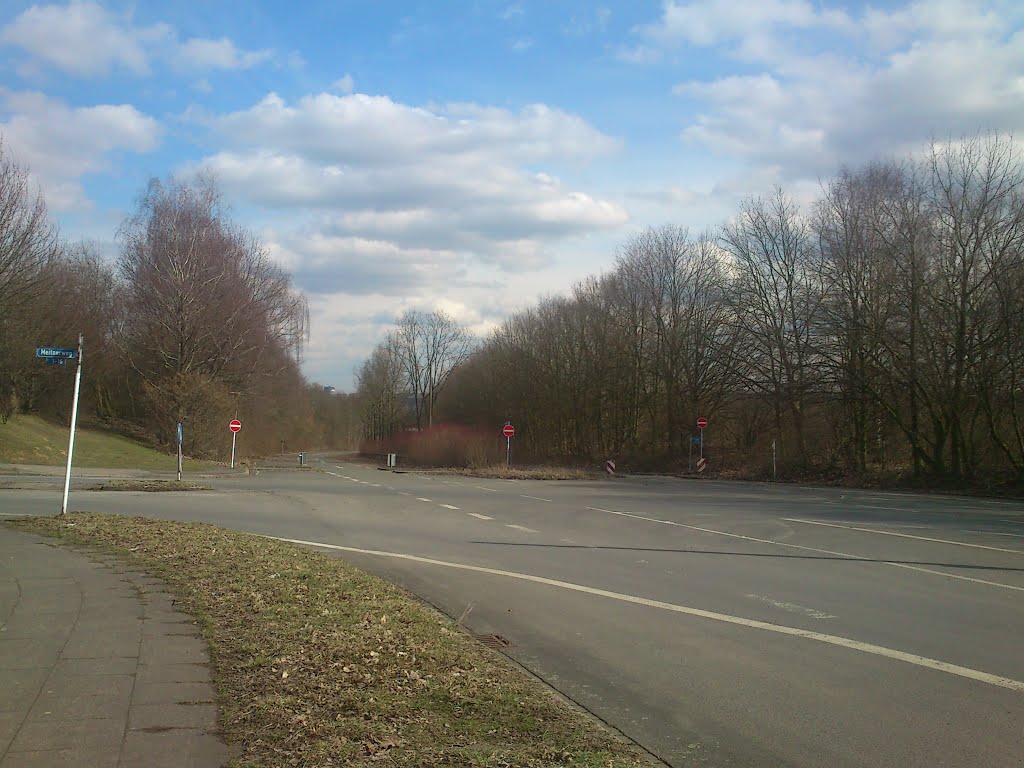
[152, 486]
[512, 473]
[319, 663]
[32, 440]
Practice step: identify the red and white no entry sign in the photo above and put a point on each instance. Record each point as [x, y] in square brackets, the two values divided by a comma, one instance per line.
[702, 423]
[509, 431]
[235, 425]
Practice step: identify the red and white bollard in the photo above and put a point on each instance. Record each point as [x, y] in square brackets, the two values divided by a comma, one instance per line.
[610, 467]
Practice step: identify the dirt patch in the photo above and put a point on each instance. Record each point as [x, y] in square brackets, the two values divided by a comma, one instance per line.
[148, 485]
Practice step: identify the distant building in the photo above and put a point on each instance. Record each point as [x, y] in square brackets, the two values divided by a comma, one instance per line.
[329, 389]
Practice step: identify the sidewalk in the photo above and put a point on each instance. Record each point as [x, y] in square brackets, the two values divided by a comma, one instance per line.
[97, 668]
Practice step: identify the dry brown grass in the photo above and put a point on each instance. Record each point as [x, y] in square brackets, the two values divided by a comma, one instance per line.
[151, 486]
[320, 664]
[512, 473]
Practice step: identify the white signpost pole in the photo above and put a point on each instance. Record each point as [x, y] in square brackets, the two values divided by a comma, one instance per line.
[74, 422]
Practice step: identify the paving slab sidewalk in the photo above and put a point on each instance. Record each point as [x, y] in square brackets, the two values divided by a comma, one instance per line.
[97, 666]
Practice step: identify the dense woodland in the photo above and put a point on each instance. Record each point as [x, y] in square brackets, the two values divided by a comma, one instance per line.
[879, 330]
[876, 331]
[192, 323]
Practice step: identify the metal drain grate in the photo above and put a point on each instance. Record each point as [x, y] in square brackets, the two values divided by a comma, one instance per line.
[494, 641]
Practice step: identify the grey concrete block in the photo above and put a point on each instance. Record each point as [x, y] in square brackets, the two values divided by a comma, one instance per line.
[60, 709]
[147, 717]
[101, 646]
[172, 693]
[37, 736]
[62, 758]
[173, 673]
[64, 687]
[20, 687]
[188, 748]
[10, 722]
[104, 666]
[23, 653]
[172, 650]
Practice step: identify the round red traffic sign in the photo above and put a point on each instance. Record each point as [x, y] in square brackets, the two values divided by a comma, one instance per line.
[509, 431]
[702, 423]
[235, 425]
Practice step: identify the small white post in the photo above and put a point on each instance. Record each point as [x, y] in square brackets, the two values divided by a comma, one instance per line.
[179, 451]
[702, 442]
[233, 436]
[74, 421]
[775, 474]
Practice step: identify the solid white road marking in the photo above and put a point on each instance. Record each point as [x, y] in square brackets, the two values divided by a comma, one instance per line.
[338, 466]
[332, 473]
[535, 498]
[903, 535]
[375, 485]
[843, 642]
[522, 528]
[846, 555]
[448, 506]
[492, 490]
[420, 498]
[479, 516]
[403, 493]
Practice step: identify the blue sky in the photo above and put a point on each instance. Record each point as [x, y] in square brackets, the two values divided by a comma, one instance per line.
[474, 156]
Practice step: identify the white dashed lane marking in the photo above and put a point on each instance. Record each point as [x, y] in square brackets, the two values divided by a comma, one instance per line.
[448, 506]
[522, 528]
[846, 555]
[535, 498]
[903, 535]
[479, 516]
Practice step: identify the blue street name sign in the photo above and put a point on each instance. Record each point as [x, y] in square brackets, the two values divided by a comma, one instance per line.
[695, 441]
[55, 361]
[179, 433]
[56, 353]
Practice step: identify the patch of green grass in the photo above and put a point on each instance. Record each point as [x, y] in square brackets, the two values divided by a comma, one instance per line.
[32, 440]
[319, 663]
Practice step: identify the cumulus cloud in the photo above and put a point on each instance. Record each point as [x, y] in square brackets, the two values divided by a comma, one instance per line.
[711, 22]
[60, 144]
[206, 53]
[86, 40]
[899, 77]
[421, 183]
[344, 84]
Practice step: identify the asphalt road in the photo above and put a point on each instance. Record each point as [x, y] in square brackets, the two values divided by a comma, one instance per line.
[720, 624]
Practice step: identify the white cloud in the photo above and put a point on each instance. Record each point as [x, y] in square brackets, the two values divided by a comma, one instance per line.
[458, 179]
[512, 11]
[345, 84]
[203, 85]
[60, 144]
[711, 22]
[86, 40]
[83, 39]
[522, 44]
[206, 53]
[930, 69]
